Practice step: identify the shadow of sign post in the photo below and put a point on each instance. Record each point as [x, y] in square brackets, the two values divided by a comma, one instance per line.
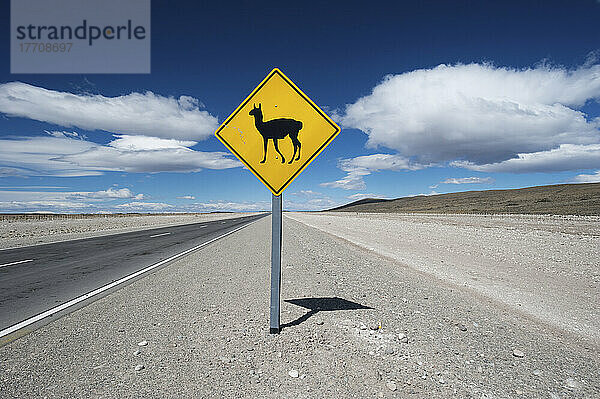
[316, 305]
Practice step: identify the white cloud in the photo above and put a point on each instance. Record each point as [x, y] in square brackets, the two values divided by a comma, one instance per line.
[112, 201]
[565, 157]
[146, 113]
[309, 200]
[144, 143]
[144, 206]
[432, 192]
[306, 193]
[357, 168]
[44, 206]
[108, 194]
[111, 193]
[479, 114]
[65, 134]
[37, 156]
[466, 180]
[228, 206]
[595, 178]
[359, 196]
[188, 197]
[352, 181]
[66, 156]
[314, 204]
[64, 201]
[10, 172]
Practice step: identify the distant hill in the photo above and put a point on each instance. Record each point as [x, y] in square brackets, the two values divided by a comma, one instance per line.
[560, 199]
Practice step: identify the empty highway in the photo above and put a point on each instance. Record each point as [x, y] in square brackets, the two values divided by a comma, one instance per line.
[38, 278]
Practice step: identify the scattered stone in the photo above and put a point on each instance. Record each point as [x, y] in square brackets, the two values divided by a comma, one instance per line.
[391, 385]
[441, 380]
[389, 351]
[571, 384]
[293, 373]
[139, 367]
[137, 352]
[519, 392]
[374, 327]
[363, 327]
[319, 322]
[403, 338]
[461, 327]
[518, 353]
[537, 372]
[143, 343]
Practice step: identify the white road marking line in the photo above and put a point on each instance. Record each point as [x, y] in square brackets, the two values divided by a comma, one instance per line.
[97, 291]
[158, 235]
[16, 263]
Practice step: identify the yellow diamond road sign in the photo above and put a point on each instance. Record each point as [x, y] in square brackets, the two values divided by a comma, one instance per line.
[277, 131]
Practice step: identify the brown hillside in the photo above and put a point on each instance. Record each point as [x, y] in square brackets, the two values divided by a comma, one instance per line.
[561, 199]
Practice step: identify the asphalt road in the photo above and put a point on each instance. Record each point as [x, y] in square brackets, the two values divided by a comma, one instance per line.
[37, 278]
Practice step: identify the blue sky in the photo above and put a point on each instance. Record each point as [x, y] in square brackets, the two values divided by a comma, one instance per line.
[432, 97]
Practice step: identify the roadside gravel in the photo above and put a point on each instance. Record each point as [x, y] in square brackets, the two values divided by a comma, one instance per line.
[19, 233]
[547, 267]
[199, 329]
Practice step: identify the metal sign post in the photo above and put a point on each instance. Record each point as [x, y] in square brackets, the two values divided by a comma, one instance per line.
[277, 111]
[276, 216]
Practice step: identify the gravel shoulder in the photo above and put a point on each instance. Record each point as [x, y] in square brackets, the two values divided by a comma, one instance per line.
[547, 267]
[20, 233]
[203, 325]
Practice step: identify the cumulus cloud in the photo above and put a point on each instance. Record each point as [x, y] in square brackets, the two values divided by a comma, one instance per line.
[42, 206]
[481, 114]
[565, 157]
[357, 168]
[144, 206]
[110, 193]
[466, 180]
[595, 178]
[63, 201]
[313, 204]
[67, 156]
[228, 206]
[187, 197]
[146, 113]
[359, 196]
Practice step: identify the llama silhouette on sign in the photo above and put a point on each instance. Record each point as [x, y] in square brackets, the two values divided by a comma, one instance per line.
[277, 129]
